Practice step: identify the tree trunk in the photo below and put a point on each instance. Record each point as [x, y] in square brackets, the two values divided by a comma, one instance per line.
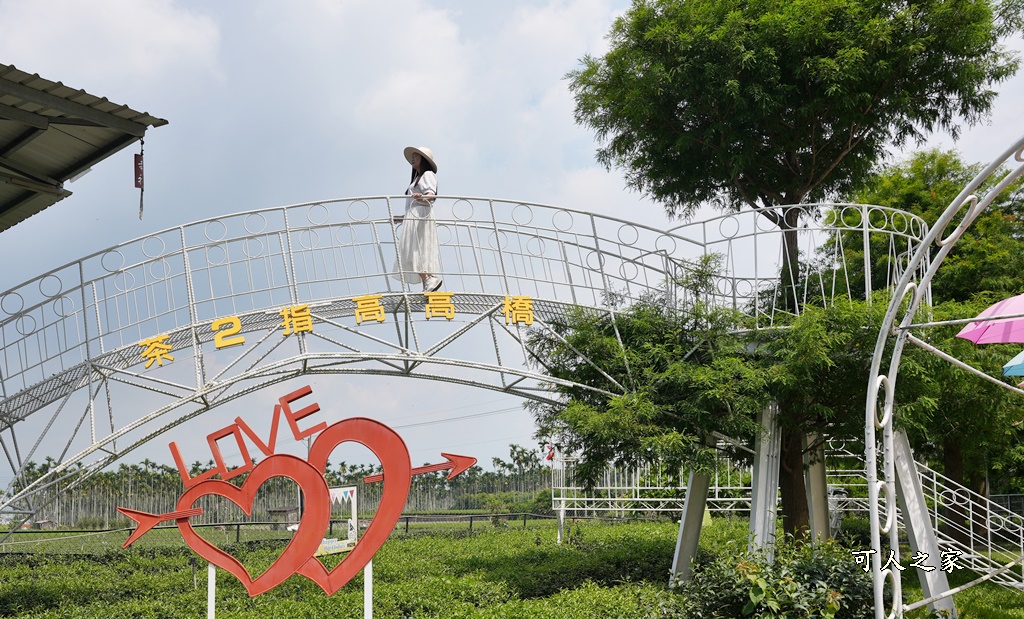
[955, 510]
[795, 514]
[789, 277]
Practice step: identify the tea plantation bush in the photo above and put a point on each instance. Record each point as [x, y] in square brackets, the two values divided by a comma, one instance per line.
[801, 581]
[617, 571]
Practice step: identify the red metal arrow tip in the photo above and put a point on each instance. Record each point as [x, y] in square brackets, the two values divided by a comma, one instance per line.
[459, 464]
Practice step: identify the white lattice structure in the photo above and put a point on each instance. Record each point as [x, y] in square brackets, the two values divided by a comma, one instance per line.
[890, 463]
[76, 390]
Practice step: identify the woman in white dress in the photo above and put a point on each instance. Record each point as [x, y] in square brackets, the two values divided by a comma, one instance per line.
[418, 253]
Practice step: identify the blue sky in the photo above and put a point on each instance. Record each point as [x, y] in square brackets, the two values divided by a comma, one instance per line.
[274, 103]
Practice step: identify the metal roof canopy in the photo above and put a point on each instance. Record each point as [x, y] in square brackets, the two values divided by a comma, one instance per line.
[50, 133]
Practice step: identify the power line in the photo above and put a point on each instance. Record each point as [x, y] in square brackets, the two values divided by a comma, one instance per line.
[460, 418]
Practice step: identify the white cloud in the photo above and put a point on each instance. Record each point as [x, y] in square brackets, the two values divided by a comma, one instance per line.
[109, 46]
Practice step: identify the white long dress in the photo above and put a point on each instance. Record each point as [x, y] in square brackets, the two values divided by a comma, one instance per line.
[418, 250]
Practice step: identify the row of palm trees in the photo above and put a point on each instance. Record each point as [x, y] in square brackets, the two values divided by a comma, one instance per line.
[91, 502]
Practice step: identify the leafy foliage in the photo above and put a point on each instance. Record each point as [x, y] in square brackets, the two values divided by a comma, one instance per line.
[990, 256]
[688, 378]
[819, 364]
[778, 101]
[801, 581]
[951, 416]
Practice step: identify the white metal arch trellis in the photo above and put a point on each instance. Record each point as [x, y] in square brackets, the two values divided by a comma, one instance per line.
[897, 464]
[72, 378]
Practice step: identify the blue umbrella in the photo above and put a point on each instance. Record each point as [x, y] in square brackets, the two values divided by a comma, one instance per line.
[1015, 366]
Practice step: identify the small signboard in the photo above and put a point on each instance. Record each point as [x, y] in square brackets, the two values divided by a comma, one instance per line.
[333, 546]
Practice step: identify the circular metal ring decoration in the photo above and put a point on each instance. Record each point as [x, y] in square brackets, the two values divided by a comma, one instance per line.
[215, 230]
[522, 215]
[254, 223]
[358, 210]
[628, 234]
[562, 220]
[25, 325]
[216, 255]
[64, 306]
[253, 248]
[317, 214]
[112, 261]
[12, 303]
[50, 286]
[153, 247]
[463, 210]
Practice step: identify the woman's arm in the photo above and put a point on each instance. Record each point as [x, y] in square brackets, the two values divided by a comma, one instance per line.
[428, 185]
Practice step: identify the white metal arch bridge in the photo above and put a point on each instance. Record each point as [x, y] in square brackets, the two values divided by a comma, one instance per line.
[77, 388]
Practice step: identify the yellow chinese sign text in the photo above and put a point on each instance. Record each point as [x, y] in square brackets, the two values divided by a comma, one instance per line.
[156, 349]
[226, 332]
[297, 319]
[368, 307]
[440, 304]
[518, 310]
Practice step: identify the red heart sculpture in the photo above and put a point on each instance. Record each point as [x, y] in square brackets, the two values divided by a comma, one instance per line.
[307, 539]
[390, 449]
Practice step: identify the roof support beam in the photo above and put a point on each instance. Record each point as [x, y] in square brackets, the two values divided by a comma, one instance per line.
[24, 170]
[35, 121]
[31, 185]
[23, 139]
[97, 156]
[71, 108]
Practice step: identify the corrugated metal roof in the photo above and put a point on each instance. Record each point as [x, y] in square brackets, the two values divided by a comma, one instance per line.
[49, 133]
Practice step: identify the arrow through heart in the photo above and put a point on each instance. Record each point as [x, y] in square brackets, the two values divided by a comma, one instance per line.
[297, 557]
[458, 465]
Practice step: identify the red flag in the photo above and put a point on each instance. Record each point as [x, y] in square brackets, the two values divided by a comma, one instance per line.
[138, 171]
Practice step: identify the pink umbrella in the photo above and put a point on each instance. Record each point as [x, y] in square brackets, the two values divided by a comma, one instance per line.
[1000, 331]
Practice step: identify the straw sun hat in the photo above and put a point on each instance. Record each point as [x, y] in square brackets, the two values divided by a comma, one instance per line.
[426, 153]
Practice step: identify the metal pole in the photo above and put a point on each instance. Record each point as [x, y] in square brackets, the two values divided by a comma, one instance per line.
[211, 591]
[916, 521]
[561, 523]
[693, 519]
[368, 590]
[817, 488]
[690, 525]
[764, 490]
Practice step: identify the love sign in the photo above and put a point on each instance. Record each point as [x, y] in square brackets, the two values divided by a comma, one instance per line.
[297, 557]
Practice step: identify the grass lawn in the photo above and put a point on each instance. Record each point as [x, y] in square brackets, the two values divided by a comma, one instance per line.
[984, 601]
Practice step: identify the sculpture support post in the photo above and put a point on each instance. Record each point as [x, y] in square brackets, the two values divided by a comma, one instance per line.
[691, 523]
[916, 522]
[765, 483]
[817, 488]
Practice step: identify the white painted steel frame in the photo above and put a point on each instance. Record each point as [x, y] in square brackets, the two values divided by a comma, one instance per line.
[909, 295]
[72, 333]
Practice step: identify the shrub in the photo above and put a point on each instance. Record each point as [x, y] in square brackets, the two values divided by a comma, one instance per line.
[801, 581]
[855, 533]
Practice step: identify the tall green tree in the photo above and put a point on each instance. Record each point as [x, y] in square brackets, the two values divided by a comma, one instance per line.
[818, 367]
[968, 425]
[989, 259]
[772, 102]
[693, 375]
[779, 101]
[686, 376]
